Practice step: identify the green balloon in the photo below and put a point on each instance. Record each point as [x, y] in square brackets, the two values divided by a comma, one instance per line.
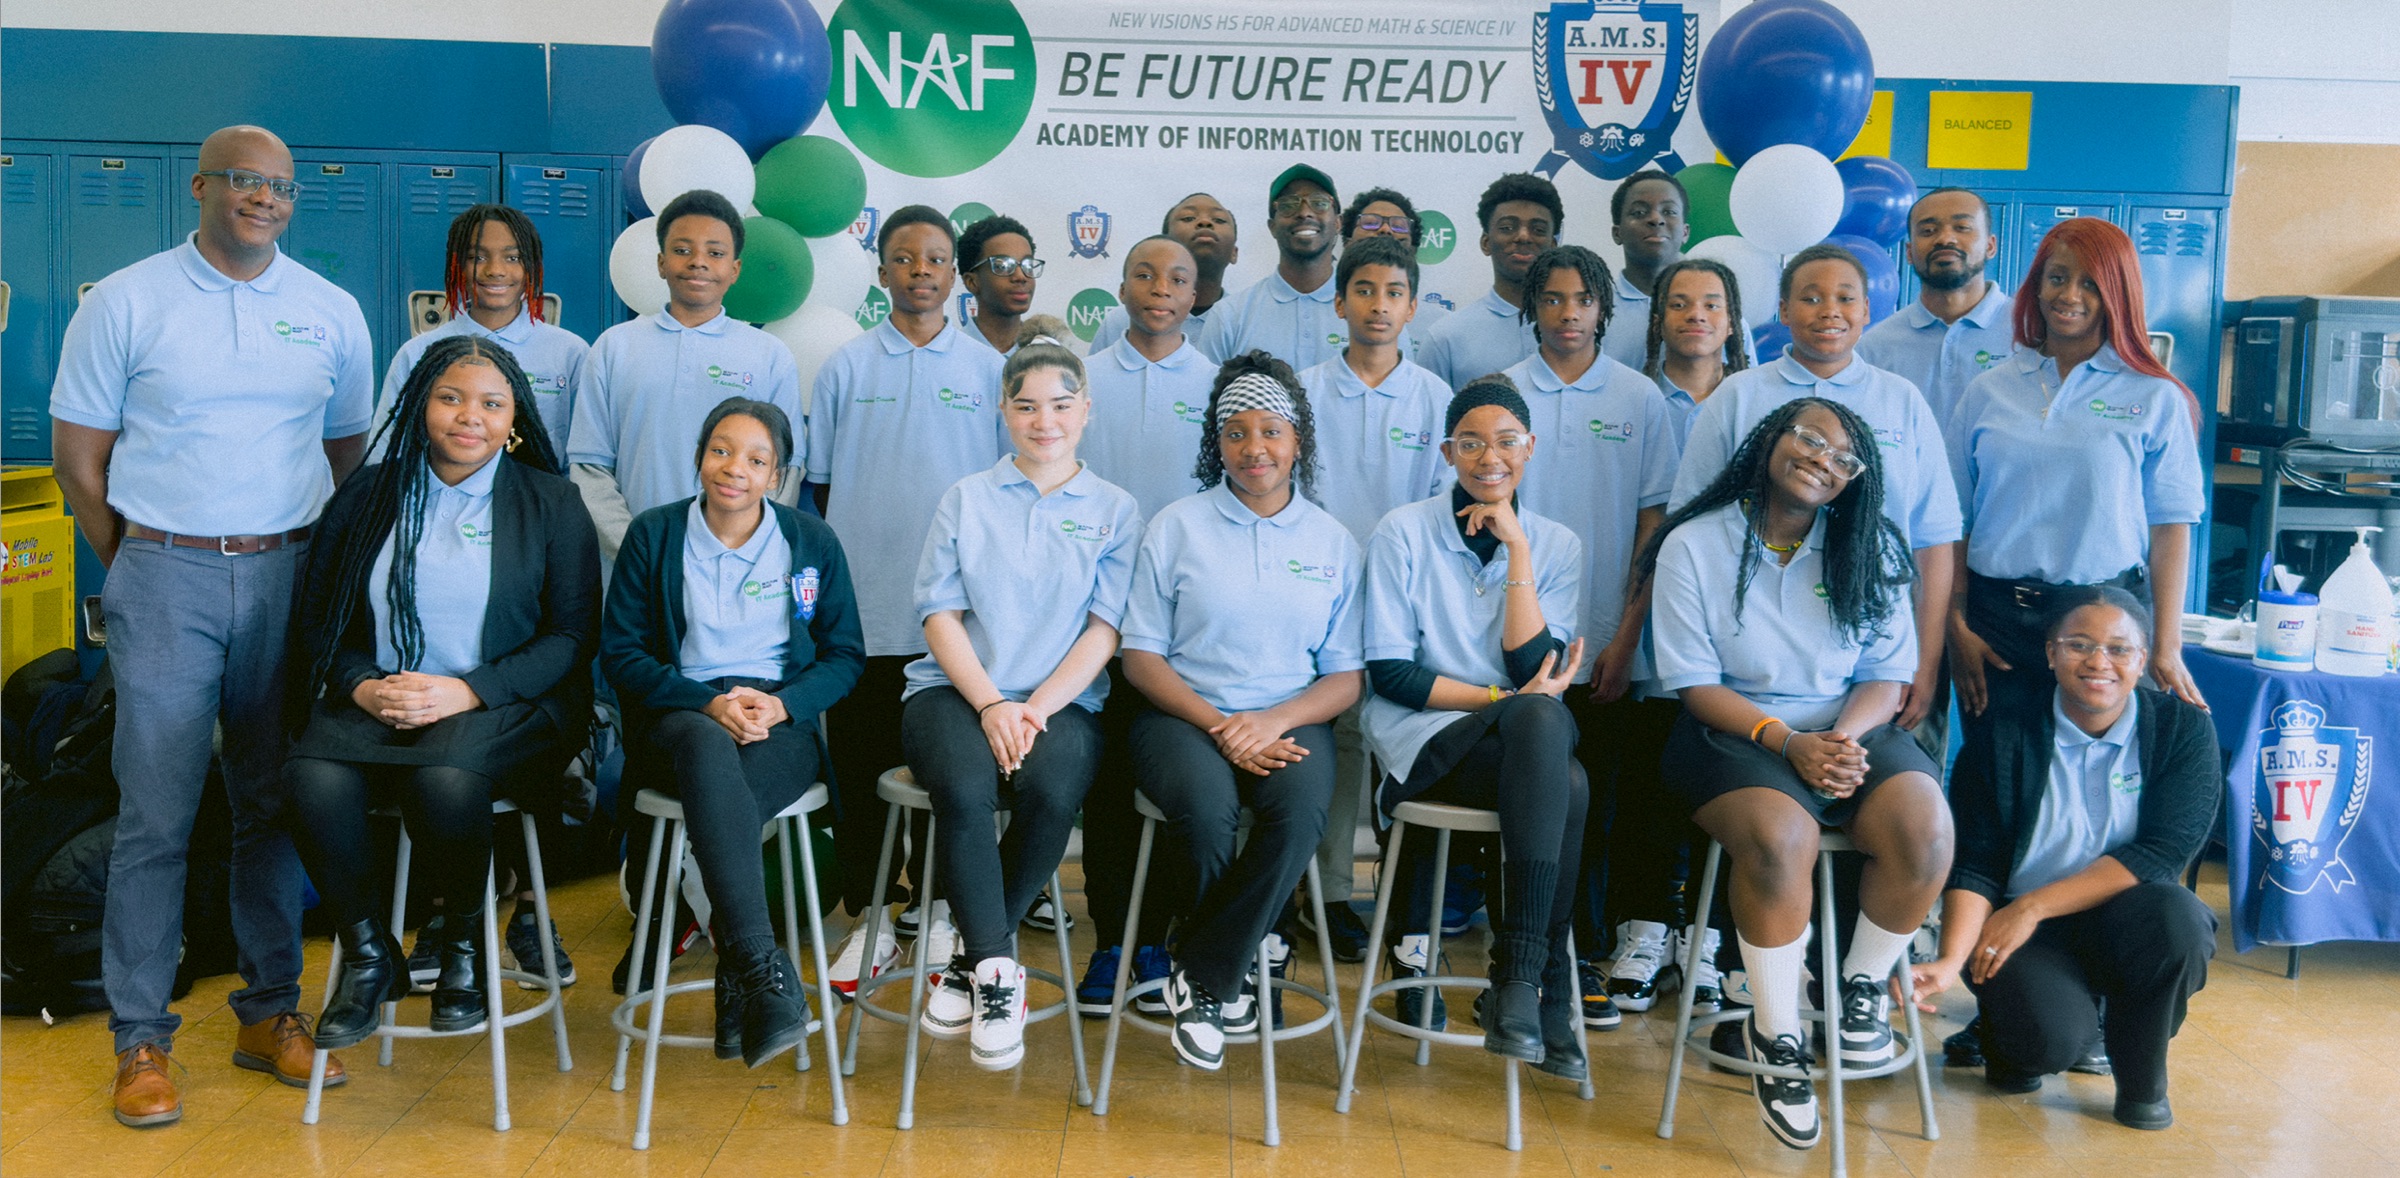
[1710, 187]
[776, 272]
[811, 183]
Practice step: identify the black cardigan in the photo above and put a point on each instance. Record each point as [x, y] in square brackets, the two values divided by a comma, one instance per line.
[641, 637]
[541, 624]
[1997, 785]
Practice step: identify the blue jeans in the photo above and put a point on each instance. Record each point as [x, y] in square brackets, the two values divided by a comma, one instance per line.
[197, 639]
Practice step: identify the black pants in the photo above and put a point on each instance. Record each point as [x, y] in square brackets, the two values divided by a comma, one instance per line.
[1112, 832]
[448, 813]
[1238, 897]
[1636, 835]
[2146, 951]
[863, 733]
[989, 884]
[729, 793]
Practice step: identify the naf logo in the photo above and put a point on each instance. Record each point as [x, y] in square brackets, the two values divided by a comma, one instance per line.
[1087, 232]
[2312, 788]
[1315, 574]
[1614, 78]
[1413, 441]
[1611, 431]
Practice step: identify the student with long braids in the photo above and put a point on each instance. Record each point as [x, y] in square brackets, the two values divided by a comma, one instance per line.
[1695, 336]
[1779, 614]
[446, 621]
[492, 287]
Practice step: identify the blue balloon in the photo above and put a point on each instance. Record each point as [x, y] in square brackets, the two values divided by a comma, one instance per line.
[1883, 273]
[1877, 196]
[1770, 339]
[754, 69]
[635, 207]
[1785, 71]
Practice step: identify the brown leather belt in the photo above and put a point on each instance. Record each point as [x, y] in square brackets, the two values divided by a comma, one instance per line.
[222, 545]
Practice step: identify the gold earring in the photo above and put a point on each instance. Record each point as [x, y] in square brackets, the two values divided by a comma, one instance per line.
[514, 440]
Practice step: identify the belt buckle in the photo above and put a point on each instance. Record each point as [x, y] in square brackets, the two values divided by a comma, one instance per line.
[225, 546]
[2025, 596]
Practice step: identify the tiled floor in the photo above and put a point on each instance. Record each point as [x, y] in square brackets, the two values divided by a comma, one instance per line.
[2271, 1077]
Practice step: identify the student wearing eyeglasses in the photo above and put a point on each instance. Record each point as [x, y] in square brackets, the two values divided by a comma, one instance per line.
[997, 266]
[1288, 314]
[1387, 212]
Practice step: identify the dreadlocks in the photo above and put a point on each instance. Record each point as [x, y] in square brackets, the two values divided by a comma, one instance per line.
[1866, 558]
[458, 271]
[1210, 470]
[1655, 351]
[1584, 262]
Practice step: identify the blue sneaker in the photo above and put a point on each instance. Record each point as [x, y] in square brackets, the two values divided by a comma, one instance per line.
[1462, 898]
[1099, 988]
[1151, 964]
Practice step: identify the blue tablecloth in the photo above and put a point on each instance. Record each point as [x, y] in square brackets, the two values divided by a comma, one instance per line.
[2312, 815]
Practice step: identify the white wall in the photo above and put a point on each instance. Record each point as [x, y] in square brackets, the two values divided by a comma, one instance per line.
[2321, 71]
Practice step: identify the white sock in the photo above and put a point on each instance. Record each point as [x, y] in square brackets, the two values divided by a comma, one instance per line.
[1874, 950]
[1775, 985]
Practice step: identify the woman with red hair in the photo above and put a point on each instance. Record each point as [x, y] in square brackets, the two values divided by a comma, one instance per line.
[2077, 464]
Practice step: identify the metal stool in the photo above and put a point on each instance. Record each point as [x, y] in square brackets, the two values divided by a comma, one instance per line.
[900, 791]
[1834, 1072]
[1444, 820]
[496, 1021]
[1119, 1012]
[668, 813]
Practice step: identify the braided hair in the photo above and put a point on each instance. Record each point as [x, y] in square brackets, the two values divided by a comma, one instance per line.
[1210, 470]
[397, 490]
[1866, 558]
[458, 270]
[1594, 270]
[1654, 352]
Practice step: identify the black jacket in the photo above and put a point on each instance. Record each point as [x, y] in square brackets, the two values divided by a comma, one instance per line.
[1996, 792]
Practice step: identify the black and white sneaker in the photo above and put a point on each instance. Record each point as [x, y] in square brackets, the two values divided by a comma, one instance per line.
[949, 1002]
[1046, 914]
[1788, 1106]
[1866, 1037]
[1199, 1022]
[1708, 985]
[1241, 1010]
[1599, 1012]
[1643, 969]
[998, 1037]
[425, 959]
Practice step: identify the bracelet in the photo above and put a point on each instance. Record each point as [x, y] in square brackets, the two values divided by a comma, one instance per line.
[1761, 726]
[1495, 690]
[1786, 750]
[988, 707]
[1516, 584]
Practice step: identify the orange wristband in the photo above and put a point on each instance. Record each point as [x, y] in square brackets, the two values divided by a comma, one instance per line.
[1761, 726]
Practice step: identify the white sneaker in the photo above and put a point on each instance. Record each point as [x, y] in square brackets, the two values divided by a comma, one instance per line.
[849, 962]
[1708, 985]
[943, 944]
[999, 1014]
[949, 1002]
[1641, 971]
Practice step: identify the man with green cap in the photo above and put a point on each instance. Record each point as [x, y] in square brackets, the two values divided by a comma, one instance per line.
[1289, 313]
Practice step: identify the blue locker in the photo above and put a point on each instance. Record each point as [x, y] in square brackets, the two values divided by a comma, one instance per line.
[430, 191]
[117, 201]
[2179, 245]
[28, 253]
[573, 201]
[2003, 206]
[339, 229]
[2035, 213]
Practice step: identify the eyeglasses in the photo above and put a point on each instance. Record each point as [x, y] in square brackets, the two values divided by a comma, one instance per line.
[2084, 648]
[1002, 265]
[245, 180]
[1372, 223]
[1817, 445]
[1510, 445]
[1290, 206]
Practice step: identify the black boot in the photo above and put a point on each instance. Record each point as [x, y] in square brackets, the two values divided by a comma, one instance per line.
[1562, 1017]
[458, 998]
[774, 1010]
[1513, 1021]
[373, 972]
[729, 1012]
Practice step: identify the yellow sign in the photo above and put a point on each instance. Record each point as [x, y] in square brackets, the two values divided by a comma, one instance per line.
[1876, 137]
[1979, 130]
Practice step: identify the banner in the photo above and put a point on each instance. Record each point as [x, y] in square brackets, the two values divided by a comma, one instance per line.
[1087, 122]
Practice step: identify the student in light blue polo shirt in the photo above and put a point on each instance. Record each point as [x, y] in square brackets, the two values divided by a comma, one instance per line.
[1288, 314]
[1780, 617]
[1022, 586]
[1694, 326]
[1959, 327]
[1521, 216]
[1646, 217]
[997, 266]
[218, 357]
[1387, 212]
[1150, 388]
[1471, 615]
[492, 282]
[648, 383]
[1206, 228]
[1243, 633]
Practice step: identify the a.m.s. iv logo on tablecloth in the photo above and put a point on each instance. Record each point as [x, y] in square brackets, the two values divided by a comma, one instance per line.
[1614, 77]
[2312, 786]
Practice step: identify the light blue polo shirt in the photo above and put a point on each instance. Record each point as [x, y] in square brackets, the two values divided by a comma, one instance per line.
[1147, 421]
[890, 427]
[201, 376]
[1483, 337]
[1942, 359]
[1028, 569]
[1917, 490]
[1429, 599]
[453, 576]
[1299, 329]
[1248, 611]
[1627, 340]
[2063, 484]
[737, 602]
[1783, 652]
[1605, 448]
[1116, 323]
[551, 356]
[1681, 408]
[647, 387]
[1377, 448]
[2092, 804]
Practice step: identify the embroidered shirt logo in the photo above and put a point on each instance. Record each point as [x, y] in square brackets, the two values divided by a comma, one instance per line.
[1413, 442]
[1320, 574]
[953, 399]
[727, 378]
[2107, 412]
[1089, 533]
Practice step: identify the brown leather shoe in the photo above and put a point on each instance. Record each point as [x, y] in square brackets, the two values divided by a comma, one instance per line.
[282, 1047]
[146, 1094]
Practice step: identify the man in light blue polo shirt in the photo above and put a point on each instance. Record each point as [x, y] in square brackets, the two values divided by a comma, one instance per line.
[649, 383]
[1205, 227]
[1288, 314]
[1150, 388]
[1521, 216]
[219, 354]
[494, 276]
[1960, 325]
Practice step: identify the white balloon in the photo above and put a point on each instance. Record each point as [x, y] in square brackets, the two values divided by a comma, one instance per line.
[692, 157]
[1785, 199]
[844, 274]
[813, 333]
[633, 268]
[1756, 271]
